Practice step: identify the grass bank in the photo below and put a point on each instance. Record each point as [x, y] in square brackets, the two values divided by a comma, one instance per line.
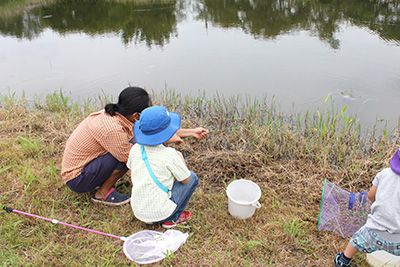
[288, 156]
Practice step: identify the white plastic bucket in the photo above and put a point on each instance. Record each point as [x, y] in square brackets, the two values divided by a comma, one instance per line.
[243, 196]
[383, 258]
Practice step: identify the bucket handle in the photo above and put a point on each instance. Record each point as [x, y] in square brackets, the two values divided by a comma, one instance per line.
[256, 205]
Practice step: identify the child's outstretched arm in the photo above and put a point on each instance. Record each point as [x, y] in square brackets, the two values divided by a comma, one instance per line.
[197, 133]
[371, 193]
[175, 139]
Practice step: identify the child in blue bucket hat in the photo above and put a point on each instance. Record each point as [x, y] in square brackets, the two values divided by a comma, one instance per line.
[162, 185]
[382, 229]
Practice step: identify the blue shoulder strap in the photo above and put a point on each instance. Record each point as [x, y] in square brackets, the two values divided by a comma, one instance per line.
[160, 185]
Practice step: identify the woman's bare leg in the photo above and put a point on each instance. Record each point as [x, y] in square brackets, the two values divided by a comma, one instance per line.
[110, 182]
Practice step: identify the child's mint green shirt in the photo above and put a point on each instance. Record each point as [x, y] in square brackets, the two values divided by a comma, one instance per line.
[150, 203]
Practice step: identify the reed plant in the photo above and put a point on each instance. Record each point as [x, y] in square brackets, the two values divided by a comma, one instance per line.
[287, 155]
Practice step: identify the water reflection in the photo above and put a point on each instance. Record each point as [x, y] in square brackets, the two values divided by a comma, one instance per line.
[149, 22]
[269, 19]
[155, 22]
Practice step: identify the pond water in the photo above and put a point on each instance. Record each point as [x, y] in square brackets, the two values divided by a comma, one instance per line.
[297, 52]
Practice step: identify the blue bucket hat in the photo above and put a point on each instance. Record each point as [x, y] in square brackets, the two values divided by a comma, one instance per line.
[395, 162]
[156, 126]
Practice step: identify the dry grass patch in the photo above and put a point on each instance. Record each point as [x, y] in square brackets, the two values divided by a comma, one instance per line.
[287, 156]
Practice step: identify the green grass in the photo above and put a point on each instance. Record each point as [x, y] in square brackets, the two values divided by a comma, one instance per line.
[287, 155]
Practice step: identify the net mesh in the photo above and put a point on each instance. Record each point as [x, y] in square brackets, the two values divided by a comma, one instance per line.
[149, 246]
[341, 211]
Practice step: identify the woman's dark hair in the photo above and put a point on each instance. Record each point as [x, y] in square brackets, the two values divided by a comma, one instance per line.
[130, 100]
